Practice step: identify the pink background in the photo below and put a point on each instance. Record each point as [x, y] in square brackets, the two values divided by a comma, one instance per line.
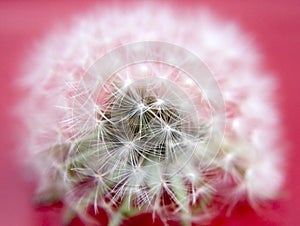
[275, 28]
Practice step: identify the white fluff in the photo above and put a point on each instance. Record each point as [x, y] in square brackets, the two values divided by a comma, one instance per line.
[250, 152]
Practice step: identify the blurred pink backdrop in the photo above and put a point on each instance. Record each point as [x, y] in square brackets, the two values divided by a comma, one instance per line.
[274, 26]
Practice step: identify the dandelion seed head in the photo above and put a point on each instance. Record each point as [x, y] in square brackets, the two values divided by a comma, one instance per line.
[131, 118]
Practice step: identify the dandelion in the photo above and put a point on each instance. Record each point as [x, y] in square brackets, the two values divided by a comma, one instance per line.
[125, 117]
